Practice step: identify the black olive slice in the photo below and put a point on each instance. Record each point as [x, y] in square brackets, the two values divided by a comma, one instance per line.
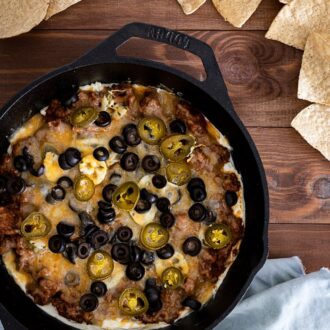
[163, 204]
[142, 206]
[151, 282]
[129, 161]
[150, 163]
[121, 253]
[124, 233]
[197, 212]
[159, 181]
[37, 171]
[72, 156]
[101, 154]
[106, 216]
[167, 220]
[65, 182]
[131, 135]
[231, 198]
[165, 252]
[118, 145]
[15, 185]
[99, 238]
[99, 288]
[107, 192]
[103, 119]
[152, 294]
[192, 246]
[105, 206]
[195, 182]
[56, 244]
[192, 303]
[211, 216]
[83, 250]
[65, 229]
[148, 196]
[85, 219]
[135, 271]
[20, 164]
[135, 253]
[147, 258]
[63, 163]
[178, 126]
[57, 193]
[88, 302]
[70, 252]
[197, 194]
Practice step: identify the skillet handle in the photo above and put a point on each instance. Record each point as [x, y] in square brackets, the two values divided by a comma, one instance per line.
[106, 52]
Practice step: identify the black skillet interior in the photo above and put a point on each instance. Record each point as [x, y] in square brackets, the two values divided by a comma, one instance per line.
[210, 96]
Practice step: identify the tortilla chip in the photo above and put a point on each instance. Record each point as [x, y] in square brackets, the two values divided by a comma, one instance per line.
[314, 78]
[298, 19]
[20, 16]
[236, 12]
[313, 123]
[57, 6]
[190, 6]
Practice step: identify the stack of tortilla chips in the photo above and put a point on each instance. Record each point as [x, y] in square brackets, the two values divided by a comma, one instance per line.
[20, 16]
[236, 12]
[305, 24]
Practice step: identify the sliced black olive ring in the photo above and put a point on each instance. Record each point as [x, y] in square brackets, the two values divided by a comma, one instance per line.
[192, 246]
[88, 302]
[192, 303]
[142, 206]
[197, 212]
[231, 198]
[135, 271]
[118, 145]
[178, 126]
[124, 233]
[64, 229]
[163, 204]
[150, 163]
[131, 135]
[121, 253]
[129, 161]
[56, 244]
[57, 193]
[166, 252]
[103, 119]
[148, 196]
[159, 181]
[167, 220]
[101, 154]
[65, 182]
[99, 288]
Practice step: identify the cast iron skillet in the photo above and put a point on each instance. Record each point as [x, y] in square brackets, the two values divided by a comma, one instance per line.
[210, 96]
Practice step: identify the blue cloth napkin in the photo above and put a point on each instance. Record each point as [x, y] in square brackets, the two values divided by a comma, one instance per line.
[283, 297]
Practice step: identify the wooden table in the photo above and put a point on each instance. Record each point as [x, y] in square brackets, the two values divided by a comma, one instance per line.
[261, 76]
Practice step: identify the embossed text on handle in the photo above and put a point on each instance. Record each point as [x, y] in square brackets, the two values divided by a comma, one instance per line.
[168, 36]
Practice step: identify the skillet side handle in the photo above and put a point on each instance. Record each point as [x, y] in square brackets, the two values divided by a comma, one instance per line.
[106, 53]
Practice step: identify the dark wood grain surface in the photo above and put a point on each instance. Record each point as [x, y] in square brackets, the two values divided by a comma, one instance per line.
[261, 76]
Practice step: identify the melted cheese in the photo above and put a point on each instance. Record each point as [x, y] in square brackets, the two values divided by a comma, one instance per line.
[52, 169]
[28, 129]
